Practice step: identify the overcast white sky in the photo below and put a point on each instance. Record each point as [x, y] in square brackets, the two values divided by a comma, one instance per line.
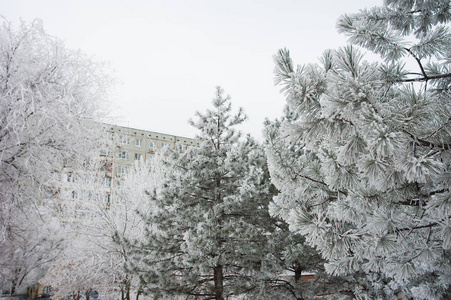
[169, 55]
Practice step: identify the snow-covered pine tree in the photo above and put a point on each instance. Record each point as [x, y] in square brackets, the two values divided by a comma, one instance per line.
[364, 164]
[299, 258]
[210, 232]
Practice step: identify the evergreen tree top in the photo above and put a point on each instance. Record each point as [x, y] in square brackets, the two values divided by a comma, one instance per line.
[217, 125]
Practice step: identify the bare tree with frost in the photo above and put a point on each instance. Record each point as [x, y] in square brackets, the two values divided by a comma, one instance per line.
[49, 98]
[363, 164]
[97, 256]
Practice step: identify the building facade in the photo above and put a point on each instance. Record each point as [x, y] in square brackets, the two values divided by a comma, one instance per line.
[131, 145]
[121, 150]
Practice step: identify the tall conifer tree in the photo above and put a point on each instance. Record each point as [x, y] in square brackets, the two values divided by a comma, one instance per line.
[206, 236]
[364, 165]
[210, 234]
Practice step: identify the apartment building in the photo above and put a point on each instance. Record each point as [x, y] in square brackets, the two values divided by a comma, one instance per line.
[134, 144]
[126, 146]
[131, 145]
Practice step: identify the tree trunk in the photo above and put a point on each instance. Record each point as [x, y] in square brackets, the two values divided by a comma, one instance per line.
[297, 273]
[127, 291]
[219, 282]
[12, 290]
[138, 293]
[14, 283]
[297, 280]
[88, 293]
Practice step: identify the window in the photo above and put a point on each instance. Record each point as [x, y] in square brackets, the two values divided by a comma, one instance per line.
[138, 156]
[152, 145]
[70, 177]
[123, 155]
[124, 139]
[107, 200]
[138, 142]
[106, 181]
[165, 145]
[122, 170]
[180, 148]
